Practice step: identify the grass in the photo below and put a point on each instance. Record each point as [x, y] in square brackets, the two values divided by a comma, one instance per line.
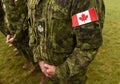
[11, 71]
[105, 69]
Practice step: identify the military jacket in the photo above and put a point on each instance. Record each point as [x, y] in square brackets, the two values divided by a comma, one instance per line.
[60, 43]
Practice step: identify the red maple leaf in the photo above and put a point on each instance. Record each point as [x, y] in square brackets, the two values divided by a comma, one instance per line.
[83, 17]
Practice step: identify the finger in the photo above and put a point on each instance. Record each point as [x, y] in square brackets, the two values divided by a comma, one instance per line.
[43, 70]
[8, 37]
[49, 71]
[48, 75]
[46, 66]
[11, 40]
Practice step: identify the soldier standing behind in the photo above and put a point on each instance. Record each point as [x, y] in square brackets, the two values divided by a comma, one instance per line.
[64, 52]
[16, 14]
[3, 26]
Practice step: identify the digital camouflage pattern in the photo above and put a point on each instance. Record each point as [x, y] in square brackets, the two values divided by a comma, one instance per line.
[58, 43]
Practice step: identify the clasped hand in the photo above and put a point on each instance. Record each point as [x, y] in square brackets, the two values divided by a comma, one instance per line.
[9, 39]
[48, 70]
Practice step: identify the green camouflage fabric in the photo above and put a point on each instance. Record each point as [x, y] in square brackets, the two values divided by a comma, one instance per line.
[2, 24]
[70, 49]
[17, 22]
[33, 33]
[2, 17]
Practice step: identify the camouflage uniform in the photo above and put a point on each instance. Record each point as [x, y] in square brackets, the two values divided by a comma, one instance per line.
[16, 13]
[70, 49]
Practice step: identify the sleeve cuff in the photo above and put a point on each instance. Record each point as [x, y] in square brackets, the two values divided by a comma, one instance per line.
[58, 73]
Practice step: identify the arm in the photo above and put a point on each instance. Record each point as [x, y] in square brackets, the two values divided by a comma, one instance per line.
[89, 39]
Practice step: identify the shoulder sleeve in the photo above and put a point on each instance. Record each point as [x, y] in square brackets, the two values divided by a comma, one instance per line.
[88, 41]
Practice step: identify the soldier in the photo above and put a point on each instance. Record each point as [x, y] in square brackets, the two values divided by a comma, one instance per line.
[16, 13]
[3, 27]
[64, 52]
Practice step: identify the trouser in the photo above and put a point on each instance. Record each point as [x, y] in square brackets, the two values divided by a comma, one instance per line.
[27, 52]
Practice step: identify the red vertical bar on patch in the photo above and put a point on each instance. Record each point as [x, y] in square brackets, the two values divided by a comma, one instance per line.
[74, 20]
[93, 14]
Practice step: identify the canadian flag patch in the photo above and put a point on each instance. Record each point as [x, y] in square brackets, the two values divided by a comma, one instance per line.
[84, 17]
